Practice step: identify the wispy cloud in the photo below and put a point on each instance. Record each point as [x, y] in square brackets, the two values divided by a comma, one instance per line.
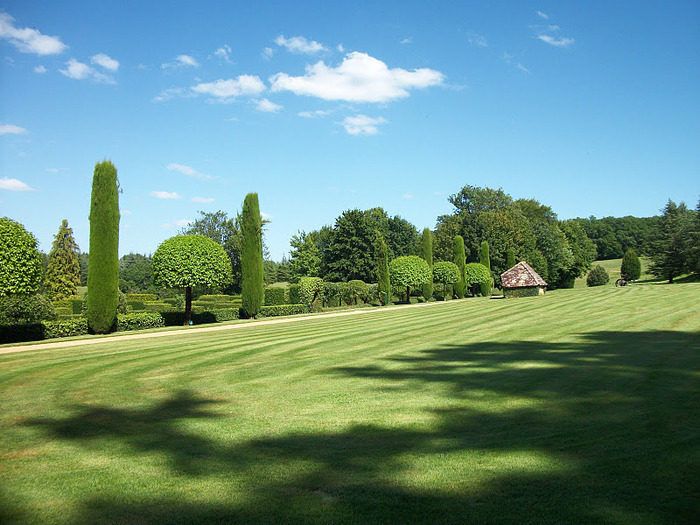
[407, 40]
[14, 185]
[40, 69]
[165, 195]
[556, 42]
[171, 93]
[477, 40]
[224, 53]
[28, 40]
[188, 170]
[299, 45]
[314, 114]
[203, 200]
[225, 90]
[359, 78]
[408, 196]
[267, 53]
[181, 61]
[543, 15]
[105, 61]
[80, 71]
[266, 106]
[11, 129]
[362, 125]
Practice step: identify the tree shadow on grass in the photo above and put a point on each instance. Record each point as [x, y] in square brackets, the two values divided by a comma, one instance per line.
[604, 430]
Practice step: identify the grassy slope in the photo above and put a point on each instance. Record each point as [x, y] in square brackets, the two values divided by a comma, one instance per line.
[613, 268]
[579, 406]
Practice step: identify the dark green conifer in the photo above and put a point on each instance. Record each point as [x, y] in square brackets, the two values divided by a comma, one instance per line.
[631, 265]
[486, 261]
[460, 260]
[382, 257]
[252, 285]
[427, 254]
[63, 270]
[103, 272]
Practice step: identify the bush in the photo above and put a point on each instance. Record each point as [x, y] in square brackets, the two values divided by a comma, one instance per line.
[140, 321]
[65, 328]
[19, 259]
[25, 309]
[309, 289]
[357, 290]
[598, 276]
[137, 305]
[226, 314]
[141, 297]
[332, 294]
[631, 266]
[294, 294]
[283, 309]
[275, 296]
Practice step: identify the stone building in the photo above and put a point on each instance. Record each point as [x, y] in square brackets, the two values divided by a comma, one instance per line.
[522, 281]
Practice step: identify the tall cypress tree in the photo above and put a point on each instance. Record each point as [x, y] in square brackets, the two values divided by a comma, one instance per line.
[427, 253]
[103, 272]
[382, 258]
[63, 271]
[486, 261]
[460, 260]
[252, 287]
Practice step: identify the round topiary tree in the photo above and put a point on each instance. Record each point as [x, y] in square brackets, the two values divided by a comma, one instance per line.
[460, 260]
[185, 261]
[446, 273]
[252, 282]
[598, 276]
[408, 271]
[103, 271]
[63, 270]
[631, 266]
[476, 274]
[20, 262]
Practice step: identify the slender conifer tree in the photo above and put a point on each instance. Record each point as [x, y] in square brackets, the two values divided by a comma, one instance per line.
[427, 253]
[63, 270]
[486, 261]
[382, 258]
[252, 287]
[460, 260]
[103, 272]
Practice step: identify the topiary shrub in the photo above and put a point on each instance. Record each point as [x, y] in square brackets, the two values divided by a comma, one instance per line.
[445, 272]
[283, 309]
[294, 294]
[460, 260]
[598, 276]
[475, 275]
[310, 289]
[409, 271]
[25, 309]
[631, 265]
[67, 328]
[141, 297]
[252, 287]
[274, 296]
[139, 321]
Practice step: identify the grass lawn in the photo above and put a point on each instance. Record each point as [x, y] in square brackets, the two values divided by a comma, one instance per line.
[613, 268]
[581, 406]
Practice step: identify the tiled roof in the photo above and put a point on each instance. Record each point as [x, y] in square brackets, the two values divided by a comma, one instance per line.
[521, 275]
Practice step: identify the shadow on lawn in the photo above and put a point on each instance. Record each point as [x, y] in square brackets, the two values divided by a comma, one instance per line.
[612, 423]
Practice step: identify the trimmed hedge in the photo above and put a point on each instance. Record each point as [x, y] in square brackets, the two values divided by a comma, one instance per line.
[65, 328]
[137, 305]
[220, 298]
[294, 294]
[275, 296]
[531, 291]
[141, 297]
[140, 321]
[283, 309]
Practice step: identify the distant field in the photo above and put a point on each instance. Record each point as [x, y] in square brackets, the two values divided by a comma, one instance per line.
[613, 268]
[580, 406]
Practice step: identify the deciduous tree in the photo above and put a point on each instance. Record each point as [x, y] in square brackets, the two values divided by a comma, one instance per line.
[409, 271]
[20, 262]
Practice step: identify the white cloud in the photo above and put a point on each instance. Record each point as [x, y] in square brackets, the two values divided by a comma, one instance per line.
[408, 196]
[187, 170]
[79, 71]
[165, 195]
[522, 68]
[314, 114]
[29, 40]
[477, 40]
[227, 89]
[181, 61]
[554, 28]
[406, 40]
[267, 53]
[543, 15]
[224, 53]
[266, 106]
[14, 185]
[52, 170]
[40, 69]
[203, 200]
[340, 48]
[556, 42]
[362, 125]
[11, 129]
[105, 61]
[299, 45]
[168, 94]
[360, 78]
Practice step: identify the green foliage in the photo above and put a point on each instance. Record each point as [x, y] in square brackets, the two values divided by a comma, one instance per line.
[185, 261]
[103, 271]
[631, 266]
[671, 249]
[357, 290]
[382, 261]
[531, 291]
[332, 293]
[409, 271]
[583, 252]
[349, 254]
[65, 328]
[294, 294]
[73, 304]
[139, 321]
[63, 270]
[136, 274]
[83, 260]
[446, 273]
[427, 254]
[598, 276]
[252, 287]
[310, 289]
[275, 296]
[141, 297]
[461, 263]
[477, 274]
[305, 257]
[486, 261]
[283, 309]
[613, 236]
[25, 309]
[20, 262]
[510, 258]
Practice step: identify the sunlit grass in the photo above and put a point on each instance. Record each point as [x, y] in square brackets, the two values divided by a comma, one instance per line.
[578, 406]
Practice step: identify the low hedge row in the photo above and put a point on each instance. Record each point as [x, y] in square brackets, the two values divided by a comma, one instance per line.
[141, 297]
[275, 296]
[139, 321]
[283, 309]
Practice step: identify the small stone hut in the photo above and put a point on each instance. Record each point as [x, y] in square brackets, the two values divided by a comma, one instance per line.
[522, 281]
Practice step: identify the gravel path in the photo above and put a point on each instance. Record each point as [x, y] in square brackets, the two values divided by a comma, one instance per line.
[191, 331]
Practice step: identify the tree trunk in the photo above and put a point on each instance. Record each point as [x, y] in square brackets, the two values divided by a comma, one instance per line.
[188, 305]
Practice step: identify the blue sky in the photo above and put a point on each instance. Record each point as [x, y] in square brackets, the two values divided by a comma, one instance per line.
[592, 108]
